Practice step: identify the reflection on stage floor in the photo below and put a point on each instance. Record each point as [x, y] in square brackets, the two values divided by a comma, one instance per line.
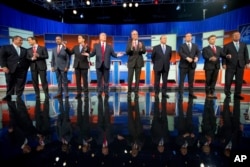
[116, 130]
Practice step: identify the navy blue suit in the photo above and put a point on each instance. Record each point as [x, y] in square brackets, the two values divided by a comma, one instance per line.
[161, 67]
[103, 67]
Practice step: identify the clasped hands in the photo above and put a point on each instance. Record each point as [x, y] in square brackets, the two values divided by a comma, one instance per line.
[190, 60]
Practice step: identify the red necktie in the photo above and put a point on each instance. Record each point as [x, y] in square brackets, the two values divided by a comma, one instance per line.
[134, 44]
[105, 142]
[58, 49]
[103, 50]
[214, 49]
[34, 49]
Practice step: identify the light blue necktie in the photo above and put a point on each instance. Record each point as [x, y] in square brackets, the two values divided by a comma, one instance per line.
[237, 46]
[80, 48]
[163, 48]
[18, 50]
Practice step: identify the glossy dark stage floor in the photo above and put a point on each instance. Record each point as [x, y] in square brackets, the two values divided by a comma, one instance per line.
[194, 132]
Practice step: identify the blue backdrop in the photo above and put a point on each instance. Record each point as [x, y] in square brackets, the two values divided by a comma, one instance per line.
[227, 21]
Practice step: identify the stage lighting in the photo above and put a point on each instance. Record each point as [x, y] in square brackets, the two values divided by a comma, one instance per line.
[74, 11]
[224, 7]
[124, 5]
[178, 7]
[81, 16]
[130, 4]
[88, 2]
[136, 4]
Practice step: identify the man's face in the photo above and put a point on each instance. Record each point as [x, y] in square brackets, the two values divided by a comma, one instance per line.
[163, 39]
[188, 38]
[103, 37]
[236, 36]
[18, 41]
[134, 35]
[30, 41]
[80, 39]
[58, 40]
[212, 40]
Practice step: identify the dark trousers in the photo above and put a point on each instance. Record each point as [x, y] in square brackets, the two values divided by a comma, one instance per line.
[131, 72]
[211, 79]
[35, 81]
[190, 74]
[16, 82]
[102, 74]
[81, 74]
[230, 73]
[158, 74]
[62, 80]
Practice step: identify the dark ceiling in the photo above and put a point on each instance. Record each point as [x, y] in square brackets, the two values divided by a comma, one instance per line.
[113, 12]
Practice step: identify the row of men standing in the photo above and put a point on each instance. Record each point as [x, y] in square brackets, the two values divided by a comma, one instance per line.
[15, 61]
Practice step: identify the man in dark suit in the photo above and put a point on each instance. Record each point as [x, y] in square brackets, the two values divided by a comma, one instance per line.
[161, 56]
[189, 54]
[15, 66]
[235, 65]
[103, 52]
[37, 55]
[81, 65]
[60, 64]
[211, 55]
[134, 50]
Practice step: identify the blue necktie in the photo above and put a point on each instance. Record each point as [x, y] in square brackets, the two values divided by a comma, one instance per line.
[237, 46]
[163, 49]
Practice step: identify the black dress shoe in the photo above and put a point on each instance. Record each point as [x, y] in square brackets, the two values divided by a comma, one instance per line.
[6, 98]
[238, 97]
[192, 96]
[78, 96]
[165, 95]
[57, 96]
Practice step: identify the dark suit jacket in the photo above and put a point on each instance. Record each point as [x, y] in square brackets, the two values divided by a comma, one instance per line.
[207, 53]
[80, 61]
[97, 51]
[239, 59]
[184, 53]
[60, 60]
[160, 59]
[40, 62]
[135, 55]
[11, 60]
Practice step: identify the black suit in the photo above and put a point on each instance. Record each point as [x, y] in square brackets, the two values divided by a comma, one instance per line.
[235, 66]
[211, 67]
[159, 128]
[18, 67]
[187, 68]
[20, 123]
[161, 67]
[105, 128]
[64, 129]
[135, 63]
[103, 67]
[208, 125]
[185, 125]
[81, 65]
[135, 128]
[39, 67]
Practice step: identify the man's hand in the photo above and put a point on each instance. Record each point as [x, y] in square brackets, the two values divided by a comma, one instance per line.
[190, 60]
[85, 54]
[119, 54]
[213, 58]
[52, 69]
[229, 56]
[6, 70]
[195, 59]
[224, 66]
